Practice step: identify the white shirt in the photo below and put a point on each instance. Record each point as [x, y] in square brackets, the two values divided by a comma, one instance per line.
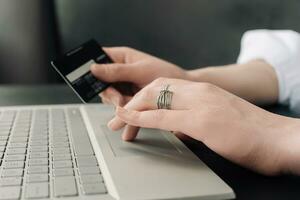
[281, 49]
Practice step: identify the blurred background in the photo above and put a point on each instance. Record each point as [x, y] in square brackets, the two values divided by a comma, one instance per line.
[190, 33]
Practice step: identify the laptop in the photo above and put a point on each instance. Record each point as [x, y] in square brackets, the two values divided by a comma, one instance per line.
[67, 152]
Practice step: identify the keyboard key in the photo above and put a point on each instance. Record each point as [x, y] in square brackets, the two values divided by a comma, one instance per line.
[6, 121]
[4, 133]
[38, 143]
[60, 139]
[80, 136]
[62, 157]
[39, 148]
[95, 178]
[88, 170]
[18, 145]
[93, 188]
[21, 129]
[13, 164]
[58, 125]
[5, 126]
[60, 144]
[38, 161]
[20, 133]
[37, 190]
[62, 164]
[86, 161]
[3, 143]
[2, 148]
[39, 138]
[39, 132]
[63, 172]
[12, 173]
[83, 149]
[15, 157]
[41, 125]
[37, 170]
[11, 181]
[38, 155]
[57, 133]
[3, 138]
[10, 192]
[61, 151]
[18, 139]
[37, 178]
[13, 151]
[65, 186]
[23, 122]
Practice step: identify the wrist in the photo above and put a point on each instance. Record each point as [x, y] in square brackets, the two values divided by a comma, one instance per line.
[201, 75]
[289, 145]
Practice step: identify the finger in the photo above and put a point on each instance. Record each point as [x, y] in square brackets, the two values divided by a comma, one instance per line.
[130, 132]
[147, 97]
[117, 54]
[115, 72]
[105, 101]
[113, 96]
[138, 102]
[170, 120]
[146, 100]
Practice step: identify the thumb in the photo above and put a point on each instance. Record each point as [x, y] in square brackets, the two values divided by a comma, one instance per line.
[115, 72]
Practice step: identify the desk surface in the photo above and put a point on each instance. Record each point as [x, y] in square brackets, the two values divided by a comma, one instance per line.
[245, 183]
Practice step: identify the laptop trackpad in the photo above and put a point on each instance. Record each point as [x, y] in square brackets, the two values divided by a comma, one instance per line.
[148, 141]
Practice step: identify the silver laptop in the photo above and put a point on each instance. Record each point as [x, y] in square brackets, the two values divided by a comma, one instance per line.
[67, 152]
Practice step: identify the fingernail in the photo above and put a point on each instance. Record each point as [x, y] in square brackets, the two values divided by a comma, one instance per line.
[111, 123]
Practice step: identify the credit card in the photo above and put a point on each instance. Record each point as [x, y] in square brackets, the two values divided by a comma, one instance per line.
[74, 68]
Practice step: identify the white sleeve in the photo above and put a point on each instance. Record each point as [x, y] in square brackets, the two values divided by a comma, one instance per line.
[281, 49]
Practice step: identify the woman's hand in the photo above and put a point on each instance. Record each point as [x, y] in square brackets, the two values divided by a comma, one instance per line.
[227, 124]
[136, 69]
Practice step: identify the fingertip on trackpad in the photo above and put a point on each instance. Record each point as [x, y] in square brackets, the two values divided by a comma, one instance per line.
[149, 141]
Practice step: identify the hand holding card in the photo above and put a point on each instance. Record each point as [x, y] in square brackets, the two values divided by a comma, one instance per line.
[74, 67]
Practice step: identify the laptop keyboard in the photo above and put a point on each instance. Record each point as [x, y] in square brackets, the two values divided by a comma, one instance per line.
[47, 154]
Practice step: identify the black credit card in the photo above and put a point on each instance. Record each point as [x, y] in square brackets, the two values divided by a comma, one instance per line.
[74, 67]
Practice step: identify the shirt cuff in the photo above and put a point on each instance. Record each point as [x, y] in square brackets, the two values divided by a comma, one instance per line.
[279, 48]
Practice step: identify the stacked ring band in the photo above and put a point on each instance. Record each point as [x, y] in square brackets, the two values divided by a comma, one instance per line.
[164, 98]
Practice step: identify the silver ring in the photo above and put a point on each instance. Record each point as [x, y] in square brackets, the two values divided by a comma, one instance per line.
[164, 98]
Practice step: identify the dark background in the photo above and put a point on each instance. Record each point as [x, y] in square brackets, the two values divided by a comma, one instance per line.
[190, 33]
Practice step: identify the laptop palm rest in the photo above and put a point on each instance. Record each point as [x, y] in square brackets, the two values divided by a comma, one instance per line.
[147, 142]
[154, 166]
